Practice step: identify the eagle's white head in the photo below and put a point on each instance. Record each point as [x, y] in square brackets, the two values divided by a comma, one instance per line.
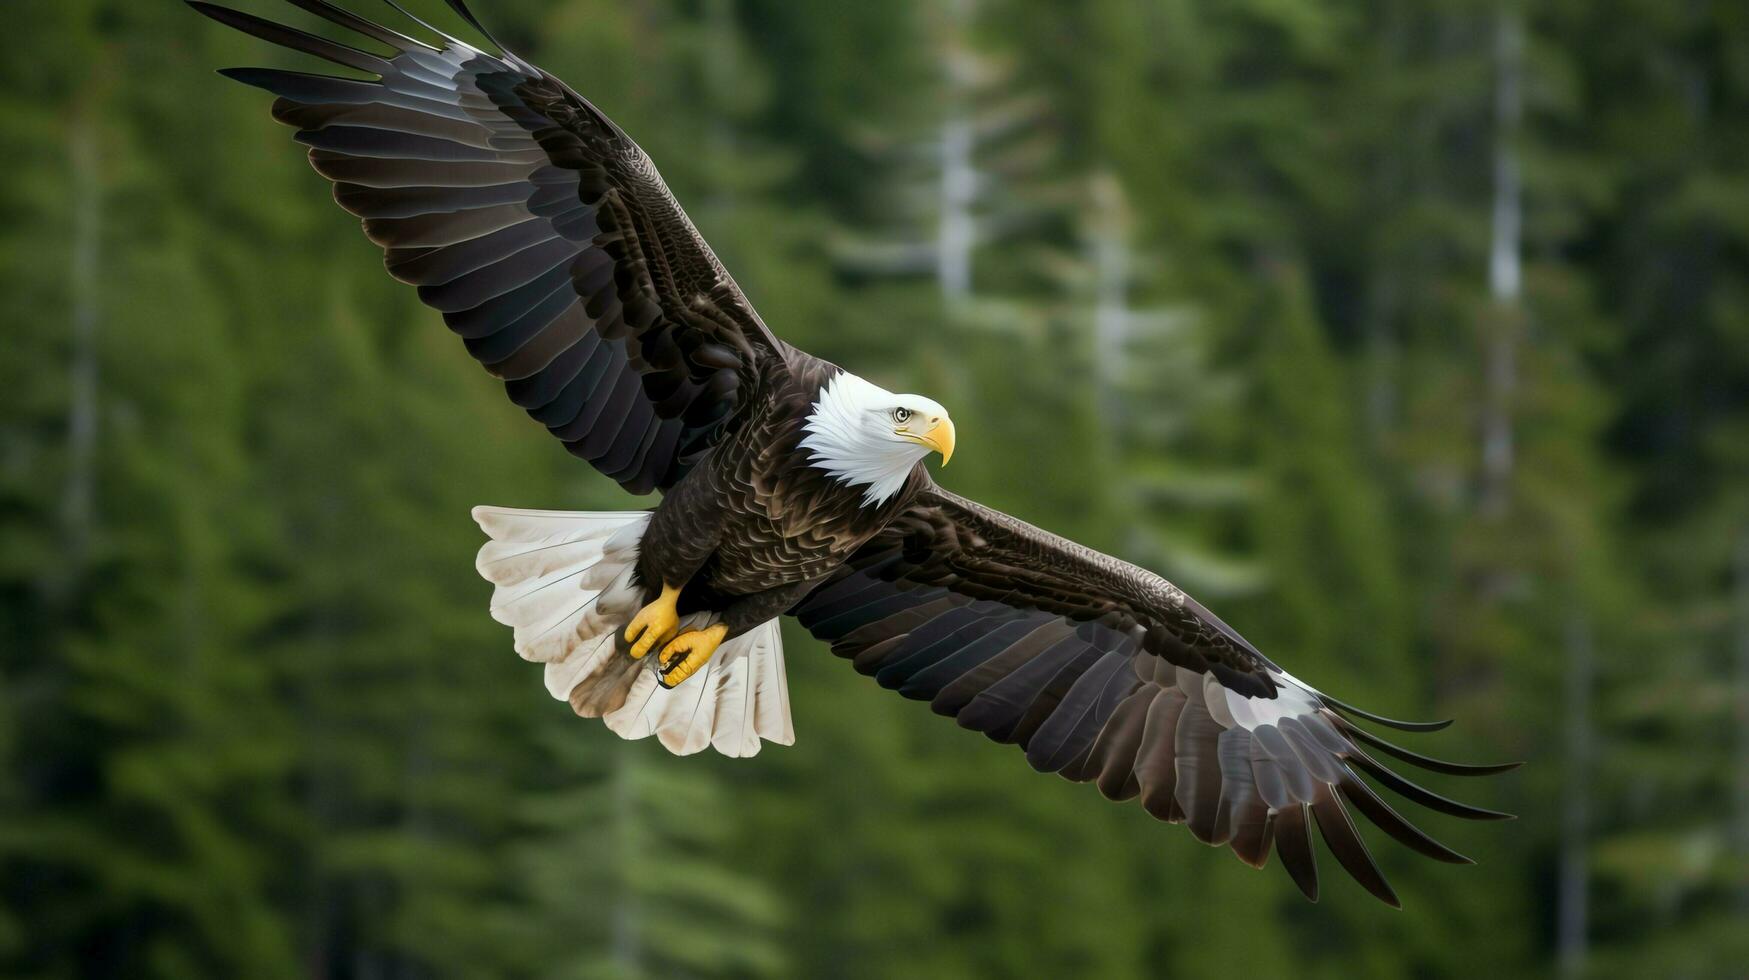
[866, 436]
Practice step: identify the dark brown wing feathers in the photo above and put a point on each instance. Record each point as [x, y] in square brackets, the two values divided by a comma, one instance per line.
[1106, 674]
[538, 229]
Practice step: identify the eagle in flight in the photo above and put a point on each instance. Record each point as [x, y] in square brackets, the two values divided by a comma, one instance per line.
[790, 486]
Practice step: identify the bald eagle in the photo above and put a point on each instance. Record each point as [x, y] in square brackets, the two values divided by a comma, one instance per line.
[550, 244]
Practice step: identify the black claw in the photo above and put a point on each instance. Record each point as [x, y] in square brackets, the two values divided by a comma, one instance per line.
[664, 669]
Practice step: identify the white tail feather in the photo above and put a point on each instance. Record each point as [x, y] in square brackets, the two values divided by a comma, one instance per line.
[563, 583]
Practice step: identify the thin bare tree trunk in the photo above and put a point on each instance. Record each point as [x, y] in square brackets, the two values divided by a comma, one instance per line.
[1110, 248]
[720, 74]
[1109, 252]
[1505, 269]
[79, 496]
[1572, 928]
[627, 937]
[1382, 359]
[1740, 815]
[956, 231]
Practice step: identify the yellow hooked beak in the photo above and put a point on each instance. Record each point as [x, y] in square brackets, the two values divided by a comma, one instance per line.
[939, 437]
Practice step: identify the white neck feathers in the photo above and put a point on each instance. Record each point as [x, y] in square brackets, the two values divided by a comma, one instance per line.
[850, 435]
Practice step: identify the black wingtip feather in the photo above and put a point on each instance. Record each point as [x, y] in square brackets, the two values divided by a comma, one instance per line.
[1405, 726]
[291, 37]
[1422, 795]
[351, 21]
[1293, 841]
[305, 87]
[415, 18]
[462, 10]
[1425, 762]
[1344, 840]
[472, 21]
[1374, 808]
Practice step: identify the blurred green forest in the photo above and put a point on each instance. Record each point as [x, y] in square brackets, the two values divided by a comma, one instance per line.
[1413, 338]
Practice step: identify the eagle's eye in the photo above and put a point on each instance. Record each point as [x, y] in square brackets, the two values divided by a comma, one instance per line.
[901, 415]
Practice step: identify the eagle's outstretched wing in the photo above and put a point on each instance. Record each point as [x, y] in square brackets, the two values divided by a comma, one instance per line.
[538, 228]
[1107, 673]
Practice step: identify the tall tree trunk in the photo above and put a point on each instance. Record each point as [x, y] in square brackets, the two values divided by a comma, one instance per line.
[1383, 357]
[1387, 186]
[720, 72]
[79, 496]
[956, 231]
[1572, 927]
[1740, 814]
[1505, 268]
[627, 937]
[1110, 248]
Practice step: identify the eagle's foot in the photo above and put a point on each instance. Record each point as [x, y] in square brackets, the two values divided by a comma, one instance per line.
[653, 623]
[689, 651]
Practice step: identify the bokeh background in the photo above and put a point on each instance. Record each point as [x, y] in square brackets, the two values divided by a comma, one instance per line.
[1411, 337]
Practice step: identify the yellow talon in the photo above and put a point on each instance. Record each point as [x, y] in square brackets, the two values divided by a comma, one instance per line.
[654, 622]
[689, 651]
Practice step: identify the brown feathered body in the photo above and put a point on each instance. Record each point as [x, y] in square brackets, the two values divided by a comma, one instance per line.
[754, 525]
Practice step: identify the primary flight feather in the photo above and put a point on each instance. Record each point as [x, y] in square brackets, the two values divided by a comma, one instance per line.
[550, 244]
